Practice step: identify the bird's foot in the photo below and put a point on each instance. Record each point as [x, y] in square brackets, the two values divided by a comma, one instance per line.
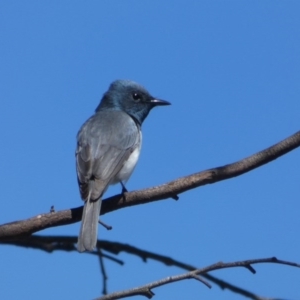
[124, 190]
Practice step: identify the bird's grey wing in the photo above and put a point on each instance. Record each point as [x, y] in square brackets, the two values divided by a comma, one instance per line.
[104, 144]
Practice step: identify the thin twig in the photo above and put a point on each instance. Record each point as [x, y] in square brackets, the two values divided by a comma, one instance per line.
[67, 243]
[146, 290]
[103, 272]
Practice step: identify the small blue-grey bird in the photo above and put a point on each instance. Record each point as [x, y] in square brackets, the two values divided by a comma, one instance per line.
[108, 148]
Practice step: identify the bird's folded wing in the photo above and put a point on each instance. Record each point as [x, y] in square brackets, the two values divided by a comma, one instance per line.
[105, 142]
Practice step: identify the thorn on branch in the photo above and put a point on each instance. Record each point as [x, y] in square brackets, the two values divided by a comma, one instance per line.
[144, 258]
[202, 280]
[149, 294]
[175, 197]
[118, 261]
[251, 269]
[108, 227]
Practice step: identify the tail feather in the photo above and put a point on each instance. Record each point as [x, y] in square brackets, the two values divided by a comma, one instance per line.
[89, 226]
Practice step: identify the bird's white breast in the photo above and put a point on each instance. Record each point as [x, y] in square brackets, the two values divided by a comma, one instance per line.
[130, 164]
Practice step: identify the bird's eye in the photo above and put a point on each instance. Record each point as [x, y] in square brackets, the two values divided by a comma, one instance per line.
[136, 97]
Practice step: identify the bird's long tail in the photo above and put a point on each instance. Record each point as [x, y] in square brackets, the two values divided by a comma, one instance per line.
[89, 226]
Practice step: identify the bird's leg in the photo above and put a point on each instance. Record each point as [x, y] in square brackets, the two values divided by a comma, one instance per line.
[124, 190]
[108, 227]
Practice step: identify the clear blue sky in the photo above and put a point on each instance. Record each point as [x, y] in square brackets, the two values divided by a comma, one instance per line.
[231, 70]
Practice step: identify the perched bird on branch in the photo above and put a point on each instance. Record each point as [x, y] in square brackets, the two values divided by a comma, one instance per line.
[108, 148]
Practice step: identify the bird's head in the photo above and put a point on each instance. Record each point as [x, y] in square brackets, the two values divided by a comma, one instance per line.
[130, 97]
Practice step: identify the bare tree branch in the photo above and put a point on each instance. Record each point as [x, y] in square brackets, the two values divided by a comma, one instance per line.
[146, 290]
[67, 243]
[165, 191]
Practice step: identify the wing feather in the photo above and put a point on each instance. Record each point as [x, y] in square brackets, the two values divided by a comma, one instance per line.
[104, 144]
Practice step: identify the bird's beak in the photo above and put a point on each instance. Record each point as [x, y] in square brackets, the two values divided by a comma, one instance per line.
[156, 102]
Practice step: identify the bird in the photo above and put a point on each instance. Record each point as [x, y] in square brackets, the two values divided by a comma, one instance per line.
[108, 148]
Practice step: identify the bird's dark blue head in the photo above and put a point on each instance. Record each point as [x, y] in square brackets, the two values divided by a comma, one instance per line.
[130, 97]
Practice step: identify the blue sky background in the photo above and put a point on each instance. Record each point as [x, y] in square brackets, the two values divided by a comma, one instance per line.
[231, 71]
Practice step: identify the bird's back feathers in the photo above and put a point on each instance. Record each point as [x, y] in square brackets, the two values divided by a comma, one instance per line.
[104, 144]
